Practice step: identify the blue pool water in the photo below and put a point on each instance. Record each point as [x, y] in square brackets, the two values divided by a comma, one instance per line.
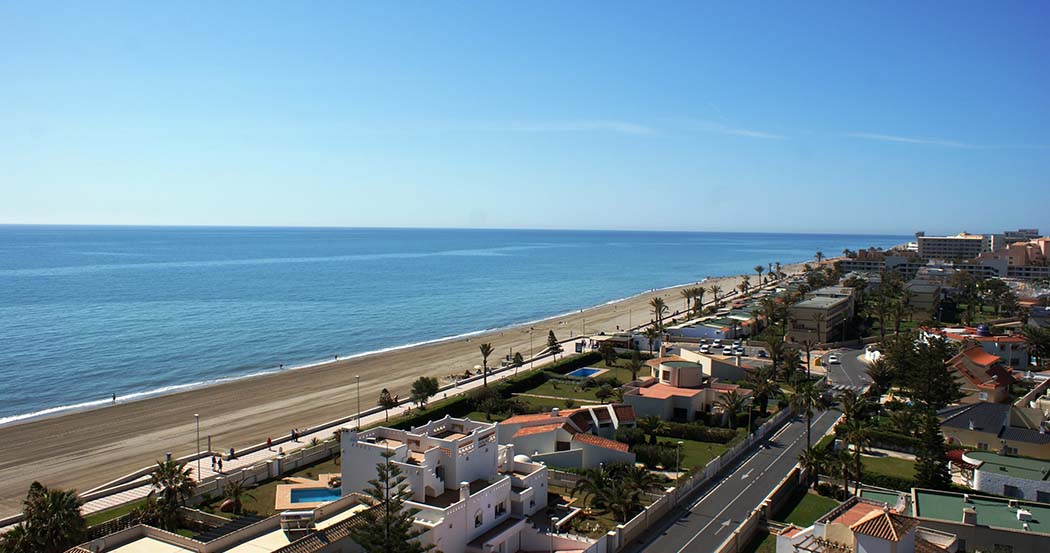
[314, 495]
[87, 312]
[584, 373]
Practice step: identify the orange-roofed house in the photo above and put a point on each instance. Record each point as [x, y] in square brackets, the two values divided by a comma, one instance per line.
[862, 525]
[578, 438]
[676, 390]
[1011, 348]
[981, 375]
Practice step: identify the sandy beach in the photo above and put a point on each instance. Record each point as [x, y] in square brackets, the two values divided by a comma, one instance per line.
[86, 449]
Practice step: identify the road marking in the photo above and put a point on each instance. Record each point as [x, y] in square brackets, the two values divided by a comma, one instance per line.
[746, 488]
[746, 474]
[724, 525]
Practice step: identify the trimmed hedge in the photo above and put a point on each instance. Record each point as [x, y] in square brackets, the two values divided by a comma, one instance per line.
[698, 433]
[898, 483]
[653, 455]
[566, 365]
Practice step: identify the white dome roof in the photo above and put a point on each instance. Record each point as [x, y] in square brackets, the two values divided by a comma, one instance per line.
[522, 458]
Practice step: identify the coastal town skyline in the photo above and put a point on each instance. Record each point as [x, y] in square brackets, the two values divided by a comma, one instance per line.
[829, 117]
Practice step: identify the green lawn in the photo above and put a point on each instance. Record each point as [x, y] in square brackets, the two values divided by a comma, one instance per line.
[564, 390]
[889, 466]
[544, 404]
[805, 509]
[764, 542]
[115, 512]
[696, 454]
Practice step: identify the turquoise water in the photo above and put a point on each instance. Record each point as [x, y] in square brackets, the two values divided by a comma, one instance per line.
[583, 373]
[314, 495]
[86, 312]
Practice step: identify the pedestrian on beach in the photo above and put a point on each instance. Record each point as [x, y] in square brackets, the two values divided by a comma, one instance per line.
[114, 398]
[269, 443]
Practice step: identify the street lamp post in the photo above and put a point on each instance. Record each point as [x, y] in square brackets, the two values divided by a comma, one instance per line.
[197, 423]
[532, 351]
[677, 463]
[358, 377]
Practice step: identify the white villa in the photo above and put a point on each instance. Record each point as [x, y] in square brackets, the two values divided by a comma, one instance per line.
[578, 438]
[473, 495]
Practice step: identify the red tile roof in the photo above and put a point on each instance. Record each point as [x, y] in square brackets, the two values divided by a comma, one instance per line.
[522, 419]
[599, 441]
[854, 513]
[539, 429]
[981, 357]
[885, 525]
[625, 413]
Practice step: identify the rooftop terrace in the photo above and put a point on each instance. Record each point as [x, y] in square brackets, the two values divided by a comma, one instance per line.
[991, 511]
[1017, 467]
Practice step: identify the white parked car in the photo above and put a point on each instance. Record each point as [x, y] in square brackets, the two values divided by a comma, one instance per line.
[833, 359]
[727, 350]
[705, 349]
[738, 351]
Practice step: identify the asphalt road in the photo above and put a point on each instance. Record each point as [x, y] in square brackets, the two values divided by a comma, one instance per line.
[712, 517]
[850, 372]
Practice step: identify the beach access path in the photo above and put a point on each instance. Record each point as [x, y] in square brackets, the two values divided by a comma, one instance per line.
[84, 450]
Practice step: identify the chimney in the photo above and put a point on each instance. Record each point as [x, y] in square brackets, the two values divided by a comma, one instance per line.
[970, 516]
[464, 490]
[554, 412]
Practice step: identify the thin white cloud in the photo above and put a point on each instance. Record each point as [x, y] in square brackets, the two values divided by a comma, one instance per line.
[711, 126]
[924, 141]
[623, 127]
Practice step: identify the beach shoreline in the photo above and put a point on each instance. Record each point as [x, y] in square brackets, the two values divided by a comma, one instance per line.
[86, 448]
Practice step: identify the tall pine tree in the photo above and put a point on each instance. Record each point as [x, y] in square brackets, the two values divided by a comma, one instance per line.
[931, 464]
[388, 525]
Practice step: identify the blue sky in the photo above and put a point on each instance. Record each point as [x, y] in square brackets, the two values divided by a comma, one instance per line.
[813, 117]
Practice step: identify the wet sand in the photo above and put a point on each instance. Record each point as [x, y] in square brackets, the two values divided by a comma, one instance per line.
[86, 449]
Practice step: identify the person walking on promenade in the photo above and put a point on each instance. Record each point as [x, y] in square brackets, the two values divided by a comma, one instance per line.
[220, 465]
[269, 443]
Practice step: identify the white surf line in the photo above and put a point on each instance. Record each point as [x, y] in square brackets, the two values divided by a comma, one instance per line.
[748, 487]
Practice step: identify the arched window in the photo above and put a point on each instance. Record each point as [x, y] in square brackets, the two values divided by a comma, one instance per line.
[477, 519]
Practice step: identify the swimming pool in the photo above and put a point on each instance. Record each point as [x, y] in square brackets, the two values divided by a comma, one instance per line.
[314, 495]
[585, 372]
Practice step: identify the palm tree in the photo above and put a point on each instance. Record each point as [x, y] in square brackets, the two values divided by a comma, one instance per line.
[235, 491]
[776, 351]
[808, 398]
[764, 386]
[52, 523]
[881, 374]
[731, 404]
[687, 293]
[812, 462]
[791, 364]
[759, 269]
[745, 284]
[858, 435]
[651, 334]
[1038, 341]
[715, 291]
[808, 345]
[634, 364]
[839, 464]
[777, 267]
[592, 485]
[659, 310]
[698, 300]
[852, 405]
[640, 481]
[486, 351]
[652, 425]
[173, 483]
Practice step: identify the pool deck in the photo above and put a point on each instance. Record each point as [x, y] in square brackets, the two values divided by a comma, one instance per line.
[283, 497]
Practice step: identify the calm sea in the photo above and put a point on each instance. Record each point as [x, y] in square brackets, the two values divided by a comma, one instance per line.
[86, 312]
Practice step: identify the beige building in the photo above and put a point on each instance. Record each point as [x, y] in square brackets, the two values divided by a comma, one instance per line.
[924, 297]
[960, 246]
[998, 427]
[819, 319]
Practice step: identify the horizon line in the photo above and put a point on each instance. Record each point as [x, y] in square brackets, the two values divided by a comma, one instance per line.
[538, 229]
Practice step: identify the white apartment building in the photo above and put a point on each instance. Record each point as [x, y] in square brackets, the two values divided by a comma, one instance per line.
[472, 494]
[960, 246]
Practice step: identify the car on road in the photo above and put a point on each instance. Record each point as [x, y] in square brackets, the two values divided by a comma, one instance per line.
[762, 353]
[705, 349]
[716, 342]
[833, 359]
[738, 351]
[727, 350]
